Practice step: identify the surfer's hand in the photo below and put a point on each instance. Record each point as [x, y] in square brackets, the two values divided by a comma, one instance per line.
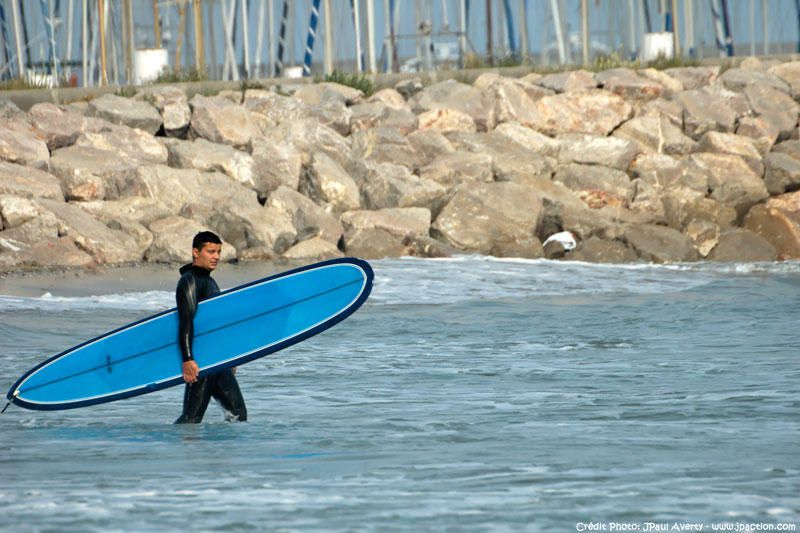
[190, 371]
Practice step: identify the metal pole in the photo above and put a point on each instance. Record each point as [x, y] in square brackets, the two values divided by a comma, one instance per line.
[676, 35]
[259, 38]
[719, 31]
[371, 35]
[70, 17]
[393, 34]
[312, 34]
[726, 20]
[562, 53]
[282, 38]
[765, 25]
[199, 39]
[357, 29]
[585, 30]
[752, 27]
[462, 30]
[271, 25]
[129, 57]
[489, 51]
[84, 43]
[101, 17]
[230, 56]
[246, 39]
[181, 31]
[17, 37]
[632, 29]
[328, 65]
[157, 24]
[689, 16]
[523, 30]
[213, 40]
[4, 36]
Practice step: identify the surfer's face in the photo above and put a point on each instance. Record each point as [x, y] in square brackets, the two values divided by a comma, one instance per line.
[208, 256]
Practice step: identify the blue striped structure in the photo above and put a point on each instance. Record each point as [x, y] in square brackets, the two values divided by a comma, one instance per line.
[312, 34]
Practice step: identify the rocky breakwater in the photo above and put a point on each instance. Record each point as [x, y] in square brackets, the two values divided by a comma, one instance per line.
[680, 165]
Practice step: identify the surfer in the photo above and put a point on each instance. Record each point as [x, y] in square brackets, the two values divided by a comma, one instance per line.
[196, 285]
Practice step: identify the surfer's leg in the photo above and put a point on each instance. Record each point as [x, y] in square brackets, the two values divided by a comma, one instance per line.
[226, 391]
[195, 401]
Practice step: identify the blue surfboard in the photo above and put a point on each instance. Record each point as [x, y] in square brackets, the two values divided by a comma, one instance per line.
[230, 328]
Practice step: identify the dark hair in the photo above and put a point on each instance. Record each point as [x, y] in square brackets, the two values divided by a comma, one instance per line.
[203, 238]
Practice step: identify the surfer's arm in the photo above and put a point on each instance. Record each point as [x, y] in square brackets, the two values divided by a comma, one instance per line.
[187, 307]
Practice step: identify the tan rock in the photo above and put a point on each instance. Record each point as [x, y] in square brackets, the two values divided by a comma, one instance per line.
[671, 85]
[276, 163]
[703, 112]
[530, 139]
[219, 120]
[597, 185]
[428, 145]
[763, 133]
[172, 241]
[57, 127]
[455, 168]
[740, 245]
[660, 244]
[173, 105]
[315, 248]
[565, 82]
[610, 152]
[126, 143]
[21, 144]
[737, 79]
[399, 222]
[457, 96]
[727, 143]
[732, 181]
[694, 77]
[380, 115]
[384, 145]
[774, 106]
[782, 173]
[444, 120]
[126, 112]
[307, 136]
[326, 182]
[88, 173]
[309, 220]
[16, 210]
[388, 185]
[790, 73]
[204, 155]
[596, 112]
[373, 244]
[391, 98]
[596, 250]
[628, 84]
[780, 226]
[656, 134]
[17, 180]
[704, 234]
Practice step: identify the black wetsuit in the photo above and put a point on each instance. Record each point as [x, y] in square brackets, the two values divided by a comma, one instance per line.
[196, 285]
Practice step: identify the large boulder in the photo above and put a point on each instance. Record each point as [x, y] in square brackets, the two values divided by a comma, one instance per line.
[380, 115]
[628, 84]
[738, 79]
[428, 145]
[327, 183]
[514, 99]
[596, 250]
[611, 152]
[173, 105]
[309, 219]
[790, 73]
[127, 143]
[385, 185]
[704, 112]
[774, 106]
[510, 161]
[763, 133]
[391, 98]
[596, 112]
[172, 242]
[315, 248]
[694, 77]
[530, 139]
[727, 143]
[778, 221]
[741, 245]
[660, 244]
[682, 206]
[670, 84]
[666, 172]
[570, 81]
[782, 173]
[656, 134]
[595, 183]
[384, 145]
[56, 126]
[400, 222]
[204, 155]
[16, 210]
[276, 163]
[308, 136]
[105, 245]
[455, 168]
[492, 218]
[127, 112]
[270, 109]
[732, 181]
[669, 109]
[445, 120]
[27, 182]
[452, 94]
[254, 227]
[51, 252]
[131, 209]
[90, 173]
[219, 120]
[21, 144]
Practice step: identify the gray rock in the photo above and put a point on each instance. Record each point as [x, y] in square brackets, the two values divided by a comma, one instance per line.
[409, 88]
[741, 245]
[422, 246]
[391, 98]
[565, 82]
[308, 136]
[790, 73]
[270, 109]
[455, 168]
[384, 145]
[778, 221]
[57, 127]
[9, 109]
[492, 218]
[669, 109]
[702, 113]
[105, 245]
[596, 250]
[208, 156]
[326, 182]
[595, 112]
[16, 210]
[172, 241]
[27, 182]
[135, 209]
[380, 115]
[790, 147]
[349, 95]
[446, 120]
[694, 77]
[660, 244]
[774, 106]
[126, 143]
[219, 120]
[451, 94]
[510, 161]
[173, 105]
[727, 143]
[530, 139]
[87, 173]
[763, 133]
[126, 111]
[782, 173]
[615, 184]
[704, 234]
[737, 79]
[309, 220]
[683, 206]
[628, 84]
[315, 248]
[611, 152]
[732, 181]
[373, 244]
[428, 145]
[19, 143]
[668, 173]
[275, 163]
[399, 222]
[671, 85]
[514, 99]
[656, 134]
[44, 226]
[52, 252]
[255, 226]
[386, 185]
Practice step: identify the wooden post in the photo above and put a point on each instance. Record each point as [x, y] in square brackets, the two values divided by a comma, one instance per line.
[181, 31]
[199, 41]
[157, 23]
[101, 17]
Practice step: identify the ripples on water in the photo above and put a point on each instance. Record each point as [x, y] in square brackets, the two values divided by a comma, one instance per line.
[468, 395]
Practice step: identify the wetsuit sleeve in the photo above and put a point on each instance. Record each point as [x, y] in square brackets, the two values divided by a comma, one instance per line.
[186, 298]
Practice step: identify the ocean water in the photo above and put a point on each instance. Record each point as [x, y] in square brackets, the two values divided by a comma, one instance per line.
[468, 394]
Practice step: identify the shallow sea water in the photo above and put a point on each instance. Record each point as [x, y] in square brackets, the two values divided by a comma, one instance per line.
[469, 394]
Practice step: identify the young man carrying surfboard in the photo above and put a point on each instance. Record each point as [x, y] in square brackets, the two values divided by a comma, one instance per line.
[196, 285]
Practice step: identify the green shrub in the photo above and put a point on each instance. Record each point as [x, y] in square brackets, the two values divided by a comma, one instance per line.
[356, 81]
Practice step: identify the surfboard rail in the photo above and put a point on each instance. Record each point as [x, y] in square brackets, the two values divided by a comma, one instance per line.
[16, 392]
